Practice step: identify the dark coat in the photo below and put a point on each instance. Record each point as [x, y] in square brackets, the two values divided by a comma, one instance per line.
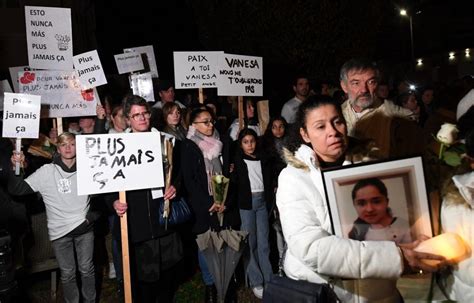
[142, 214]
[195, 181]
[240, 182]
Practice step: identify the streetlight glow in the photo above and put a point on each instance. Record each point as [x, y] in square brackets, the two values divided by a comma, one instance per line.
[419, 62]
[451, 56]
[467, 52]
[404, 13]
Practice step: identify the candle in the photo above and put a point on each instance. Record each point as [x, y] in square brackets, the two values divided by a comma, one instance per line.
[449, 245]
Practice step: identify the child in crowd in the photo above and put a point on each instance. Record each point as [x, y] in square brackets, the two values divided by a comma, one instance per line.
[251, 180]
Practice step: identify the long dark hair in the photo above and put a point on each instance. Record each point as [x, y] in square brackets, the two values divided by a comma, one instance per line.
[293, 141]
[246, 132]
[360, 228]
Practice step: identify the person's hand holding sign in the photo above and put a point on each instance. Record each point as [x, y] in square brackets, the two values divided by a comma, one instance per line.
[120, 208]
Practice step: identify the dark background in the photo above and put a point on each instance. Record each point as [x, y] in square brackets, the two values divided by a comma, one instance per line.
[292, 36]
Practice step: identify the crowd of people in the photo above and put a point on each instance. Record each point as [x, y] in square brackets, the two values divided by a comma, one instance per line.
[276, 191]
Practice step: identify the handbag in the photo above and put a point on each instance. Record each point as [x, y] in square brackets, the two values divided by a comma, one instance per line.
[286, 290]
[281, 289]
[179, 212]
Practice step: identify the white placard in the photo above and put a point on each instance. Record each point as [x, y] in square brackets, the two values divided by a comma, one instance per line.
[4, 88]
[14, 70]
[118, 162]
[21, 116]
[142, 85]
[240, 75]
[150, 54]
[49, 37]
[61, 94]
[127, 63]
[89, 69]
[196, 69]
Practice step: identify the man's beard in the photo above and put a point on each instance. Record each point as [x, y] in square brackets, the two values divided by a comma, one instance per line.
[363, 104]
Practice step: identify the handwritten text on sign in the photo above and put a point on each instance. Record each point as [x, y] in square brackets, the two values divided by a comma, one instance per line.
[89, 69]
[195, 69]
[21, 116]
[118, 162]
[129, 62]
[49, 37]
[240, 75]
[61, 94]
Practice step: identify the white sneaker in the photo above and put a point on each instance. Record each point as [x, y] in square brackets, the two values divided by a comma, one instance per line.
[258, 291]
[112, 274]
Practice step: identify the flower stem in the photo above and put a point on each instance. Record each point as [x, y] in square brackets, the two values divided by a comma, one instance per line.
[441, 149]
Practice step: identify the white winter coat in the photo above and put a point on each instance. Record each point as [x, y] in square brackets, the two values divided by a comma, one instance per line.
[314, 254]
[457, 215]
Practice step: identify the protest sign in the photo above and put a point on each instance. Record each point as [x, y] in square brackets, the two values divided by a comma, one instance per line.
[49, 37]
[60, 92]
[21, 116]
[196, 69]
[118, 162]
[240, 75]
[127, 63]
[14, 70]
[150, 55]
[89, 69]
[4, 88]
[142, 85]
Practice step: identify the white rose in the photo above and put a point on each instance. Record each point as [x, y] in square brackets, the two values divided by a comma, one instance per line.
[447, 134]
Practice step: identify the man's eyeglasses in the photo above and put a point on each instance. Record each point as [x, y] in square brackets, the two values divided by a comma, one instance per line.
[207, 122]
[144, 115]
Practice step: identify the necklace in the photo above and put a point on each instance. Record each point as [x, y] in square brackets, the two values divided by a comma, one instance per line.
[64, 184]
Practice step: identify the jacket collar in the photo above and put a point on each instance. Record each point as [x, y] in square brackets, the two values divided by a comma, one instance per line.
[465, 185]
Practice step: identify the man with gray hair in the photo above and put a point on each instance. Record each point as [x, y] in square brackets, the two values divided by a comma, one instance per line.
[366, 115]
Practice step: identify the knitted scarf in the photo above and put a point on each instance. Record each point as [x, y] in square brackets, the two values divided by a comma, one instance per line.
[211, 148]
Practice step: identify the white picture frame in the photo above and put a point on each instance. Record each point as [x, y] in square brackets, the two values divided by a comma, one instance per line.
[407, 195]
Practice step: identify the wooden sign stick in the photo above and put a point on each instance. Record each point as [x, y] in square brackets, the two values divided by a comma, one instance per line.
[60, 125]
[127, 282]
[241, 112]
[201, 95]
[18, 150]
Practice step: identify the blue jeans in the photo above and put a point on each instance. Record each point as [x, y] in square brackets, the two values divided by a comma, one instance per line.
[64, 251]
[255, 222]
[116, 251]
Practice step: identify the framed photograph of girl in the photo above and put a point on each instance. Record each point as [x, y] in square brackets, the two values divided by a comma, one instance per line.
[379, 201]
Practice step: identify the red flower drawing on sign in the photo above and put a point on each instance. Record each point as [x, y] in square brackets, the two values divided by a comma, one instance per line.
[27, 78]
[88, 94]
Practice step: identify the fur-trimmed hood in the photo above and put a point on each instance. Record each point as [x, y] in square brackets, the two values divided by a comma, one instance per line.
[357, 151]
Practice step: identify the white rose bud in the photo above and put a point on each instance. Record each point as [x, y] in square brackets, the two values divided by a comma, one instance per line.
[447, 134]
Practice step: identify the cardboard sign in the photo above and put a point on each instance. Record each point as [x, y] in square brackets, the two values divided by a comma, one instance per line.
[118, 162]
[89, 69]
[127, 63]
[240, 75]
[14, 70]
[49, 37]
[196, 69]
[4, 88]
[60, 92]
[150, 54]
[21, 116]
[142, 85]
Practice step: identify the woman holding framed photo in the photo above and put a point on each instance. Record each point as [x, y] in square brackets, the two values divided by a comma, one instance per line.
[314, 254]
